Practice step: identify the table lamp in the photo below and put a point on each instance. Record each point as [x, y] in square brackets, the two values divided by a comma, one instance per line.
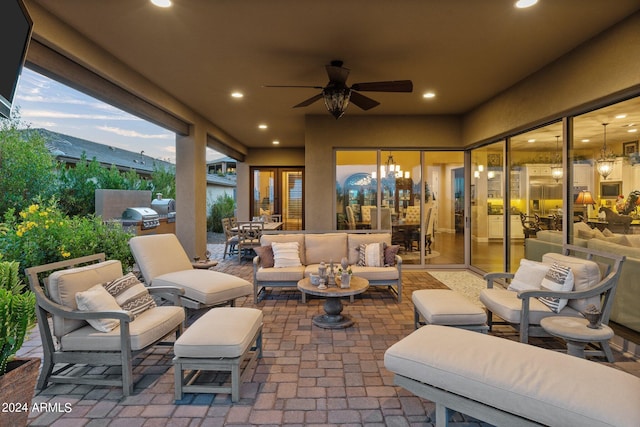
[585, 198]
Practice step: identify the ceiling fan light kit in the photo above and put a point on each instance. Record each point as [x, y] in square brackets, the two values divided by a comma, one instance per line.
[337, 95]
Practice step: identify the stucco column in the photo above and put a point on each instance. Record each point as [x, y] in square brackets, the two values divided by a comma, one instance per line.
[191, 191]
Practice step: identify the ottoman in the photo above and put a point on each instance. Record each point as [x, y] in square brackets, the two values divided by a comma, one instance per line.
[221, 340]
[448, 308]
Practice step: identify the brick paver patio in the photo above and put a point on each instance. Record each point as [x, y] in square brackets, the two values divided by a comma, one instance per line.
[308, 376]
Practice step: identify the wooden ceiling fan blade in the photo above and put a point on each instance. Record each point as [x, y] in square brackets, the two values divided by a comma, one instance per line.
[309, 101]
[294, 86]
[389, 86]
[362, 101]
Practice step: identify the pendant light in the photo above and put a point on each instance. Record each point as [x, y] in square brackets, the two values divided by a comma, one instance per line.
[556, 169]
[606, 160]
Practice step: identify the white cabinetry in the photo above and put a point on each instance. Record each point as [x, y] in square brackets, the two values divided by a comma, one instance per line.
[583, 175]
[496, 227]
[616, 173]
[516, 227]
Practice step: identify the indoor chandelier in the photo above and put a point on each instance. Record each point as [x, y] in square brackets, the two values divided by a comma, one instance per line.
[606, 160]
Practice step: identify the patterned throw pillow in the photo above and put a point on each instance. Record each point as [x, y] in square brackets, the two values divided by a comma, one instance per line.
[96, 298]
[558, 278]
[266, 255]
[130, 294]
[371, 255]
[286, 254]
[390, 253]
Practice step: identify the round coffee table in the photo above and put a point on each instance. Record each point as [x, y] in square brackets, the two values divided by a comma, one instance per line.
[332, 319]
[575, 332]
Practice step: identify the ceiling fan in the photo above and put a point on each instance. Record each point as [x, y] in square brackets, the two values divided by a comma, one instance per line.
[337, 94]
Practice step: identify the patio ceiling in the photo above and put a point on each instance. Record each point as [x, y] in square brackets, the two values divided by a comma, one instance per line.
[466, 51]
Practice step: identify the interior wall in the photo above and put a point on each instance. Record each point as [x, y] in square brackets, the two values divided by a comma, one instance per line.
[323, 134]
[600, 69]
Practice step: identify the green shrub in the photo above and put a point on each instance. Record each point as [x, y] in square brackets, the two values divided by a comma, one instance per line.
[42, 234]
[223, 207]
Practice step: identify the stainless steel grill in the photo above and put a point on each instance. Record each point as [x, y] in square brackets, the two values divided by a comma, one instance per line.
[146, 217]
[166, 208]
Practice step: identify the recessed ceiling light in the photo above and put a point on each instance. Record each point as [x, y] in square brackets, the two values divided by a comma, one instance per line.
[276, 142]
[237, 94]
[621, 116]
[531, 140]
[632, 130]
[522, 4]
[162, 3]
[585, 140]
[262, 126]
[429, 95]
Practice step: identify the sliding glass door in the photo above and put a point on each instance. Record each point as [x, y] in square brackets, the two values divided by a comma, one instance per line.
[279, 191]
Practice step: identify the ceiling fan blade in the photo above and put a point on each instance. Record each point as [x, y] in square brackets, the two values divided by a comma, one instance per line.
[362, 101]
[390, 86]
[337, 73]
[309, 101]
[293, 86]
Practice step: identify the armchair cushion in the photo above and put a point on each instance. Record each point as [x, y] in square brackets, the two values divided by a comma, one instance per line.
[528, 276]
[207, 286]
[130, 294]
[97, 298]
[63, 285]
[558, 278]
[586, 274]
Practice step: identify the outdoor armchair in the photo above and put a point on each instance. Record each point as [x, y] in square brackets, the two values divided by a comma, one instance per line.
[71, 346]
[596, 276]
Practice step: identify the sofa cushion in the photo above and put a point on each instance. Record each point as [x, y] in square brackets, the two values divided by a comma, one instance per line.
[64, 284]
[325, 247]
[130, 294]
[354, 240]
[268, 239]
[586, 274]
[376, 273]
[96, 298]
[371, 255]
[632, 240]
[285, 274]
[558, 278]
[286, 254]
[528, 276]
[266, 255]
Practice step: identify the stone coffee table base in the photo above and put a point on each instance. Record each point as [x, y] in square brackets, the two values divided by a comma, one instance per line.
[333, 319]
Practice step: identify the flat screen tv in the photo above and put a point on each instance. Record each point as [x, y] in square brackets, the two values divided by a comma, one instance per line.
[15, 33]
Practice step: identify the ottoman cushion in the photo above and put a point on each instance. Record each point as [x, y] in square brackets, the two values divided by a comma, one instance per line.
[223, 332]
[446, 307]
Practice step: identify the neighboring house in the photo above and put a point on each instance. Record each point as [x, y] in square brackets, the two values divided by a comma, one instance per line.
[221, 179]
[68, 149]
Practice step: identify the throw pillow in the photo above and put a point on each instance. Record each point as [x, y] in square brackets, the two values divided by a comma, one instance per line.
[558, 278]
[371, 255]
[390, 253]
[607, 232]
[286, 254]
[584, 234]
[528, 276]
[96, 298]
[266, 255]
[130, 294]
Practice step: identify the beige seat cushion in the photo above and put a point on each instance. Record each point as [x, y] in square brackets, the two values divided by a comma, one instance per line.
[63, 285]
[552, 388]
[586, 274]
[268, 239]
[446, 307]
[147, 328]
[221, 332]
[508, 306]
[376, 273]
[286, 274]
[325, 247]
[158, 254]
[206, 286]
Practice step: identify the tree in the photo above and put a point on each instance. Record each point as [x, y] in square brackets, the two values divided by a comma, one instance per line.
[27, 169]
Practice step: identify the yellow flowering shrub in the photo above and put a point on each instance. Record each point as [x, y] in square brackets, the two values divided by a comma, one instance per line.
[42, 234]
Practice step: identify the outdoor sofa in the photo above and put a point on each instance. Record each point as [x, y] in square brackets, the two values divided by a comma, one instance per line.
[314, 248]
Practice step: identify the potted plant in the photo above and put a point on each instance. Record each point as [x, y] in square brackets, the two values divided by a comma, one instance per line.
[17, 317]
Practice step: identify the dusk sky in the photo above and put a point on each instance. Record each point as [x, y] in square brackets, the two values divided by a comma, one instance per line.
[45, 103]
